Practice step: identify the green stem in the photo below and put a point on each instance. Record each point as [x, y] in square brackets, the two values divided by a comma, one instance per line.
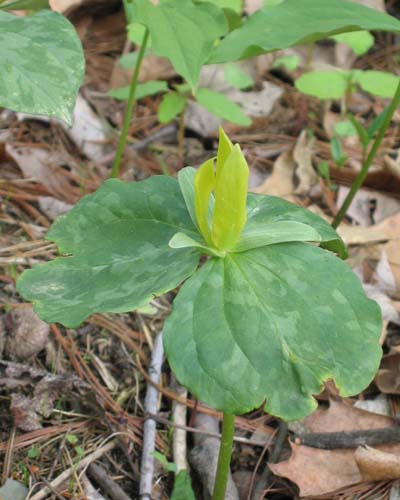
[224, 458]
[368, 162]
[129, 108]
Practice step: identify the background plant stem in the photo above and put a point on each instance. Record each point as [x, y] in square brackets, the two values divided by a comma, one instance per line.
[224, 458]
[129, 108]
[368, 162]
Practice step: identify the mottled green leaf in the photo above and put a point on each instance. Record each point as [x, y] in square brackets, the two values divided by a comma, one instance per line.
[184, 32]
[42, 64]
[115, 252]
[324, 84]
[273, 323]
[230, 215]
[146, 89]
[221, 106]
[294, 22]
[171, 105]
[186, 178]
[266, 210]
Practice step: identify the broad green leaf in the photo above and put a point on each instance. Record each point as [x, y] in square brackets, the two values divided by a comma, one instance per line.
[183, 487]
[172, 105]
[379, 83]
[266, 210]
[186, 178]
[32, 5]
[289, 62]
[275, 232]
[181, 240]
[273, 323]
[221, 106]
[204, 184]
[323, 84]
[229, 217]
[294, 22]
[42, 64]
[236, 77]
[115, 252]
[146, 89]
[235, 5]
[359, 41]
[184, 32]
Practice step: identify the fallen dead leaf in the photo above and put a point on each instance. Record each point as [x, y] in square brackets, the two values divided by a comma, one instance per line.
[386, 230]
[376, 465]
[320, 472]
[302, 155]
[280, 182]
[388, 376]
[27, 334]
[64, 5]
[52, 207]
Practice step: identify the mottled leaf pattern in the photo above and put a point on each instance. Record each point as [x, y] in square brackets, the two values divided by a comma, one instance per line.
[42, 64]
[116, 252]
[273, 323]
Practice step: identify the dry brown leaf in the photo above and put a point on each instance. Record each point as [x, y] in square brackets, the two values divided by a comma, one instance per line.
[386, 230]
[376, 465]
[64, 5]
[280, 183]
[27, 334]
[388, 376]
[319, 472]
[153, 68]
[302, 155]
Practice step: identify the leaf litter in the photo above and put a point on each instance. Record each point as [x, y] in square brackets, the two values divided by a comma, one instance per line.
[86, 381]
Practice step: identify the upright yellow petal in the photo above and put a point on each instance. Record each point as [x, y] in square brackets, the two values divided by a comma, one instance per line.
[204, 183]
[225, 147]
[230, 200]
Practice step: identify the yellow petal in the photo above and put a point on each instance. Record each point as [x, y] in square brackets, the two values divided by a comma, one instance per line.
[204, 183]
[230, 200]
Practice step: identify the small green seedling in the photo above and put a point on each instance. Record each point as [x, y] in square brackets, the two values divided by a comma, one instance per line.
[270, 316]
[182, 485]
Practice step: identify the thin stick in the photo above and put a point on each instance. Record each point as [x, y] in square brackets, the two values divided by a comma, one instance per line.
[149, 426]
[368, 162]
[224, 459]
[67, 473]
[129, 108]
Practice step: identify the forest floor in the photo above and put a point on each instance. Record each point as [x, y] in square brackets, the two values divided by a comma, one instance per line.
[71, 398]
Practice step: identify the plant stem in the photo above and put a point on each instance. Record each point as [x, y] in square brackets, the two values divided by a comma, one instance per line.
[368, 162]
[224, 458]
[129, 108]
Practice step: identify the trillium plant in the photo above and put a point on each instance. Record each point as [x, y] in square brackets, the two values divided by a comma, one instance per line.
[271, 314]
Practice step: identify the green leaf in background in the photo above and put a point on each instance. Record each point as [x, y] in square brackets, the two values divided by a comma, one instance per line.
[323, 84]
[168, 466]
[42, 64]
[376, 124]
[115, 252]
[359, 41]
[184, 32]
[269, 210]
[172, 105]
[31, 5]
[183, 487]
[219, 105]
[290, 62]
[273, 323]
[379, 83]
[345, 128]
[337, 151]
[136, 33]
[294, 22]
[361, 132]
[146, 89]
[236, 77]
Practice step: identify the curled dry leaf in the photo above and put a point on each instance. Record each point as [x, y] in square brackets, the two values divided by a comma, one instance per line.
[376, 465]
[27, 334]
[303, 154]
[320, 472]
[386, 230]
[388, 376]
[280, 182]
